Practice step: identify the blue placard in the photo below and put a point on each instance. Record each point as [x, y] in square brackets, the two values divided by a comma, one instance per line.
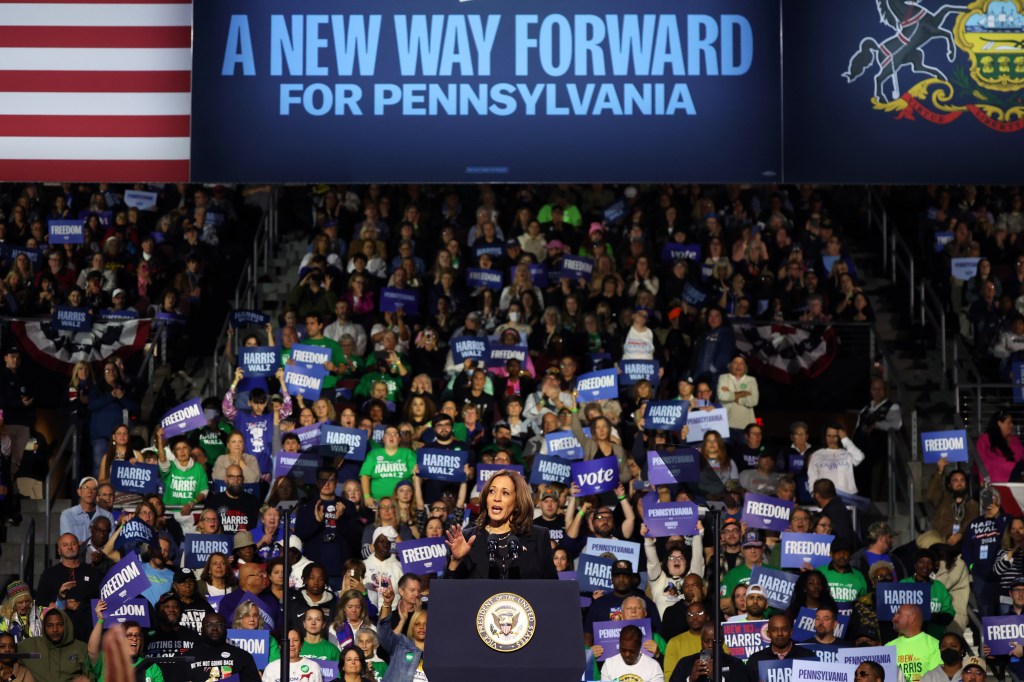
[65, 231]
[170, 318]
[219, 486]
[140, 199]
[594, 573]
[1017, 378]
[563, 444]
[665, 415]
[259, 361]
[576, 267]
[538, 274]
[67, 318]
[941, 239]
[805, 548]
[596, 476]
[673, 251]
[256, 642]
[606, 634]
[694, 295]
[498, 354]
[300, 465]
[670, 518]
[469, 348]
[884, 656]
[551, 470]
[600, 385]
[392, 300]
[669, 467]
[775, 670]
[743, 638]
[110, 315]
[198, 548]
[184, 418]
[778, 585]
[481, 277]
[620, 549]
[125, 581]
[134, 609]
[485, 471]
[964, 269]
[803, 627]
[303, 381]
[828, 262]
[309, 436]
[635, 370]
[142, 479]
[309, 356]
[329, 670]
[104, 217]
[702, 421]
[766, 513]
[339, 441]
[133, 533]
[440, 464]
[246, 318]
[422, 556]
[33, 255]
[858, 502]
[492, 250]
[951, 445]
[1001, 632]
[890, 596]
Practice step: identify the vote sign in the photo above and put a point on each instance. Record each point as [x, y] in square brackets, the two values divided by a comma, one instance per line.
[596, 476]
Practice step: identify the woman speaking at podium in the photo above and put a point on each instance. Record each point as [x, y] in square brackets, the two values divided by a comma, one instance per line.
[505, 545]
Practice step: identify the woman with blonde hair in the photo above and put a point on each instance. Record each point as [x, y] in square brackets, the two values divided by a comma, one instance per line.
[247, 616]
[19, 615]
[353, 612]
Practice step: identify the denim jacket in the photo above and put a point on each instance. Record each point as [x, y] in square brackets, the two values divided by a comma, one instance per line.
[405, 656]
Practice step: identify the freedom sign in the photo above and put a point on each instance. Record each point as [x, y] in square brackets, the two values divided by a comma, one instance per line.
[259, 361]
[702, 421]
[303, 381]
[485, 471]
[670, 518]
[142, 479]
[766, 513]
[889, 597]
[635, 370]
[805, 548]
[563, 444]
[440, 464]
[125, 581]
[665, 415]
[743, 638]
[309, 357]
[576, 267]
[669, 467]
[884, 656]
[134, 609]
[951, 445]
[606, 634]
[594, 573]
[340, 441]
[300, 465]
[468, 348]
[140, 199]
[484, 277]
[422, 557]
[778, 585]
[198, 548]
[184, 418]
[622, 549]
[812, 670]
[803, 627]
[498, 354]
[964, 269]
[393, 300]
[550, 470]
[256, 642]
[60, 231]
[600, 385]
[596, 476]
[1002, 632]
[71, 319]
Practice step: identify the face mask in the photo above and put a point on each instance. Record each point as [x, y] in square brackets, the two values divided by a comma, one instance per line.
[513, 316]
[950, 656]
[146, 256]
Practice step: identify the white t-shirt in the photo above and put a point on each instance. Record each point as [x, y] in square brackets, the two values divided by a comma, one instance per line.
[303, 670]
[646, 669]
[638, 345]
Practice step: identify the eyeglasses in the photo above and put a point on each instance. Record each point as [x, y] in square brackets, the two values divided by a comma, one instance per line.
[133, 635]
[694, 614]
[386, 507]
[675, 558]
[603, 515]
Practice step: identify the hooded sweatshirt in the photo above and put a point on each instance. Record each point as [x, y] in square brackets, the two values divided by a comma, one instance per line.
[60, 662]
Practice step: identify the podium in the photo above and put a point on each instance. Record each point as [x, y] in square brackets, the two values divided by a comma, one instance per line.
[476, 630]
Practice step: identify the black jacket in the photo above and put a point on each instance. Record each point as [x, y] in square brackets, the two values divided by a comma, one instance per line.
[733, 669]
[535, 560]
[767, 654]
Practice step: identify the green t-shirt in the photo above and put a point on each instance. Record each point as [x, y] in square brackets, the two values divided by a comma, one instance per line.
[181, 487]
[212, 441]
[385, 472]
[740, 575]
[153, 672]
[916, 655]
[393, 381]
[845, 587]
[321, 651]
[941, 602]
[331, 380]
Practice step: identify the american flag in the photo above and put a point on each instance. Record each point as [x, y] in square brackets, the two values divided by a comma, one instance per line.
[95, 90]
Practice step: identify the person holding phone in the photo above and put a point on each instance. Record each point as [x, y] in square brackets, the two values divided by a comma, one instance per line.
[700, 667]
[329, 528]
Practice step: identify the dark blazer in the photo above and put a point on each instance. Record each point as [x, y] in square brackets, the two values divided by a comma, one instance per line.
[535, 557]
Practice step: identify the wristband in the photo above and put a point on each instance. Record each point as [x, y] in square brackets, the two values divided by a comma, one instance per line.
[621, 497]
[581, 512]
[100, 621]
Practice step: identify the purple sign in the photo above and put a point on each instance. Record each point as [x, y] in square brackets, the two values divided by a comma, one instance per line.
[576, 267]
[256, 642]
[309, 357]
[328, 670]
[563, 444]
[143, 479]
[673, 251]
[600, 385]
[594, 573]
[469, 348]
[606, 634]
[803, 628]
[766, 513]
[392, 300]
[423, 556]
[309, 436]
[1002, 632]
[889, 597]
[301, 466]
[133, 609]
[551, 470]
[665, 415]
[184, 418]
[303, 381]
[635, 370]
[66, 231]
[440, 464]
[125, 581]
[482, 277]
[339, 441]
[668, 467]
[596, 476]
[198, 548]
[778, 585]
[670, 518]
[805, 548]
[485, 471]
[259, 361]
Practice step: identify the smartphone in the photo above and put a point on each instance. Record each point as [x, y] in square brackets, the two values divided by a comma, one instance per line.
[352, 573]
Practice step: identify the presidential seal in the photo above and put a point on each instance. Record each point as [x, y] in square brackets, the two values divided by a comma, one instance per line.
[506, 622]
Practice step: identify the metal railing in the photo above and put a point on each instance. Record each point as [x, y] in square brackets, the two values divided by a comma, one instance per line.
[932, 317]
[27, 554]
[901, 268]
[978, 401]
[878, 220]
[62, 472]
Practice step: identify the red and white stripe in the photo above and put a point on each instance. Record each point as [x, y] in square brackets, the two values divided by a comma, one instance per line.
[96, 91]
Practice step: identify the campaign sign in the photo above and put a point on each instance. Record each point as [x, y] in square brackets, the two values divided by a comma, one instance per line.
[635, 370]
[743, 638]
[766, 513]
[600, 385]
[803, 627]
[563, 444]
[964, 269]
[594, 573]
[170, 318]
[673, 251]
[309, 357]
[134, 533]
[198, 548]
[485, 471]
[339, 441]
[140, 199]
[484, 277]
[778, 585]
[1017, 377]
[124, 581]
[392, 300]
[134, 609]
[256, 642]
[941, 239]
[551, 470]
[775, 671]
[856, 501]
[670, 518]
[606, 634]
[702, 421]
[576, 267]
[694, 295]
[301, 466]
[111, 315]
[666, 415]
[303, 381]
[422, 556]
[259, 361]
[328, 669]
[246, 318]
[669, 467]
[498, 354]
[309, 436]
[951, 445]
[1001, 632]
[65, 231]
[142, 479]
[184, 418]
[884, 656]
[72, 319]
[890, 596]
[805, 548]
[622, 549]
[812, 670]
[494, 250]
[440, 464]
[469, 348]
[596, 476]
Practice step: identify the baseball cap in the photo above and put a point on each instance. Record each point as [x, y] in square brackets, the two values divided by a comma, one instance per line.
[880, 528]
[547, 492]
[622, 567]
[753, 538]
[294, 542]
[116, 293]
[511, 243]
[730, 521]
[183, 574]
[975, 662]
[755, 590]
[555, 244]
[86, 480]
[166, 597]
[630, 192]
[595, 227]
